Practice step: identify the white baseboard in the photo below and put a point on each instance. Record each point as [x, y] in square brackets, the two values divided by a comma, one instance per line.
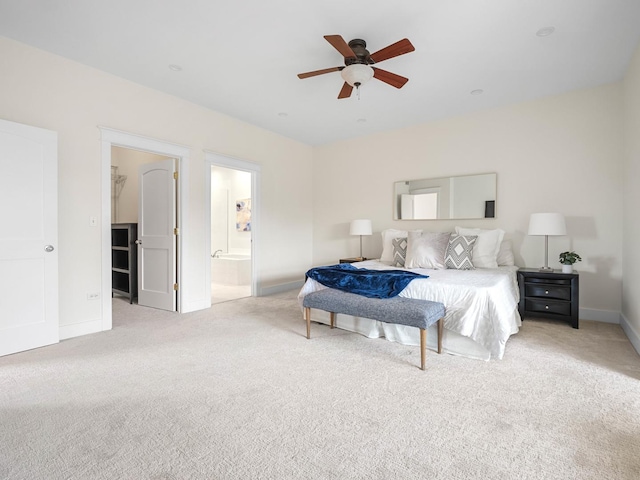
[196, 305]
[631, 332]
[78, 329]
[605, 316]
[283, 287]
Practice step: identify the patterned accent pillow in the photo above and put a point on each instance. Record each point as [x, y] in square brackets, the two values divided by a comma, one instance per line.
[399, 251]
[460, 252]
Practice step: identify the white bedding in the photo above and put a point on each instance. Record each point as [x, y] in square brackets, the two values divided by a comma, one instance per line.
[481, 309]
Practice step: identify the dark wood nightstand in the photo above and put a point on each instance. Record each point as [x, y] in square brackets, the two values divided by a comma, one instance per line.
[352, 260]
[551, 294]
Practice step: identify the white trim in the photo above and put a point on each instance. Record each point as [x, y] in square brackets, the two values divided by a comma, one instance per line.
[109, 138]
[81, 328]
[605, 316]
[219, 160]
[195, 305]
[283, 287]
[632, 333]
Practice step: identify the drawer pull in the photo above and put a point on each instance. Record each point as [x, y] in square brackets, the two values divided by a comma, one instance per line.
[547, 307]
[546, 292]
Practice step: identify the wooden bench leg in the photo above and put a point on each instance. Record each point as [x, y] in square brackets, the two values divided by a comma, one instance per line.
[307, 317]
[440, 327]
[423, 341]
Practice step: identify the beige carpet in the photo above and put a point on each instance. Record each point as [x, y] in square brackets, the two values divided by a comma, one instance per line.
[238, 392]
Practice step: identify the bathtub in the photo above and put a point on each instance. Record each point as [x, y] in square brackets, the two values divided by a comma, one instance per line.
[231, 269]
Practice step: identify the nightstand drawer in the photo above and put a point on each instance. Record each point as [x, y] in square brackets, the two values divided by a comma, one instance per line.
[549, 281]
[547, 291]
[543, 306]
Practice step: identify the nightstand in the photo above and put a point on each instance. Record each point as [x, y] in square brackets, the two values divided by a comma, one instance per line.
[352, 260]
[551, 294]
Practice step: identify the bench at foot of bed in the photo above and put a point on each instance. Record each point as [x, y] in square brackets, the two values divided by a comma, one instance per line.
[399, 310]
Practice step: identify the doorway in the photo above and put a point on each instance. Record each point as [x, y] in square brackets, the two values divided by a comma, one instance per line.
[143, 200]
[117, 138]
[233, 212]
[230, 234]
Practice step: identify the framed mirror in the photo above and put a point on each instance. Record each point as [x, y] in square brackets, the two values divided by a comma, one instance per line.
[462, 197]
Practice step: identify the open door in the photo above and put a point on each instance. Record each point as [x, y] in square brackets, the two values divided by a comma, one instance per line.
[157, 235]
[28, 237]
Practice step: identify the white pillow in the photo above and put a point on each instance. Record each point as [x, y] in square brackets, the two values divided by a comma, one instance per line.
[505, 254]
[387, 248]
[485, 251]
[426, 250]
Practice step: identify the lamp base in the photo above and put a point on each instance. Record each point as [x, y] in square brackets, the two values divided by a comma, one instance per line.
[546, 269]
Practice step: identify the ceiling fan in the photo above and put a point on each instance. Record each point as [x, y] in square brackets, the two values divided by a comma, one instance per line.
[357, 60]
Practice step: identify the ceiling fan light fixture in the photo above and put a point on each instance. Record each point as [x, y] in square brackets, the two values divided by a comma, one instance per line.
[357, 74]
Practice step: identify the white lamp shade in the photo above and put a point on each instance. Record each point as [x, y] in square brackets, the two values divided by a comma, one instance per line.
[547, 224]
[357, 74]
[360, 227]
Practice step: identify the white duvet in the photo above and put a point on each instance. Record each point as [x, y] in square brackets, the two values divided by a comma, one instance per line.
[481, 305]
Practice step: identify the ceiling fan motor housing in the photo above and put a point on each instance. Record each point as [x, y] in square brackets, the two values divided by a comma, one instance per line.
[359, 47]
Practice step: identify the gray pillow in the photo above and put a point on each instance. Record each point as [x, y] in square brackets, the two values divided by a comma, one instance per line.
[460, 251]
[399, 251]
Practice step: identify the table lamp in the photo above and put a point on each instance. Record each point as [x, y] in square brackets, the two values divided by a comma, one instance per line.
[547, 224]
[360, 227]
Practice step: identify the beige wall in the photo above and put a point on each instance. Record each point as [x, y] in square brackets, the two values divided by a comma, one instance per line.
[227, 186]
[128, 161]
[559, 154]
[631, 231]
[48, 91]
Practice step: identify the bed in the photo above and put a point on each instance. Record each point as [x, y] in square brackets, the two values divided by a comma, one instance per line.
[481, 309]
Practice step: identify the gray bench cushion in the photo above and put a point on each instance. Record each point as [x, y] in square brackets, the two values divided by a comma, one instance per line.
[398, 310]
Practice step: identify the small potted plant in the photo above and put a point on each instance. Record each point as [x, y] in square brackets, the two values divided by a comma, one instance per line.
[567, 259]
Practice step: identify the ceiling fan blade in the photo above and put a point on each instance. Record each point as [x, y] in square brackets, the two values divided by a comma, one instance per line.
[390, 78]
[346, 91]
[396, 49]
[319, 72]
[339, 44]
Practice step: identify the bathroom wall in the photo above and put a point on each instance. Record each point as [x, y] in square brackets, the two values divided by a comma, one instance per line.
[228, 186]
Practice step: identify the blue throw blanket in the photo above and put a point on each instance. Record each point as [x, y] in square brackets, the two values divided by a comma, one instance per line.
[369, 283]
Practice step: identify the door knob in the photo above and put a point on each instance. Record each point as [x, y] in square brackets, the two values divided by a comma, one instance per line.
[48, 248]
[138, 242]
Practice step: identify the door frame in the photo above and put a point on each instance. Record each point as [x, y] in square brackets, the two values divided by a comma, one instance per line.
[213, 159]
[116, 138]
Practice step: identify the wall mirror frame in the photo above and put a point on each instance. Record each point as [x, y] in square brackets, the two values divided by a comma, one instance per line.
[448, 198]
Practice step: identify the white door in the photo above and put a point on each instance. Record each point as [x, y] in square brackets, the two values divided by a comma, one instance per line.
[28, 237]
[156, 239]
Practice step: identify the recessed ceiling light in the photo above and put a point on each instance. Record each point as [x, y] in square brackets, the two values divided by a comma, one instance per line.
[175, 68]
[361, 120]
[545, 32]
[283, 114]
[478, 91]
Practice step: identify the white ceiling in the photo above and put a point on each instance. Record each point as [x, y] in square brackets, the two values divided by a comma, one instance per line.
[241, 57]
